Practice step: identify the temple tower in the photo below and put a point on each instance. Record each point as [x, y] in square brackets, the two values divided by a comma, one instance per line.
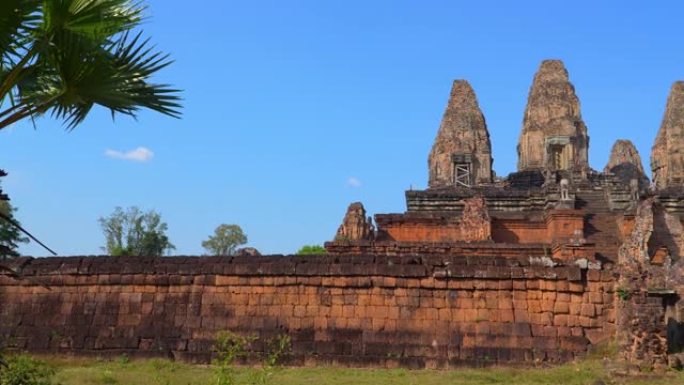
[461, 154]
[624, 154]
[553, 136]
[667, 154]
[625, 163]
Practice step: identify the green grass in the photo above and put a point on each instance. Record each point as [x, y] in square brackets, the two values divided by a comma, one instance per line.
[163, 372]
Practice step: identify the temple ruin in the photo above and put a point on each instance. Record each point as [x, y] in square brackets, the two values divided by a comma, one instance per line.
[557, 211]
[539, 266]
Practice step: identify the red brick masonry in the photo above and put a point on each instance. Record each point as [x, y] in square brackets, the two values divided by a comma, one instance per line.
[414, 311]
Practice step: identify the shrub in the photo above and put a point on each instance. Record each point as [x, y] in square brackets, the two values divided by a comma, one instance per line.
[276, 349]
[228, 348]
[311, 250]
[24, 370]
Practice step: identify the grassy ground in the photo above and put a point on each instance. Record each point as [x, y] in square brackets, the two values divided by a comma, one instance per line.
[162, 372]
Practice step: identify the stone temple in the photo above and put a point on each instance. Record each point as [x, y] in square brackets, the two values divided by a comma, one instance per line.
[555, 210]
[555, 205]
[540, 266]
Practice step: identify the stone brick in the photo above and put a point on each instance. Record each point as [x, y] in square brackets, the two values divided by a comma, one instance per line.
[521, 316]
[506, 316]
[560, 320]
[561, 307]
[588, 310]
[547, 305]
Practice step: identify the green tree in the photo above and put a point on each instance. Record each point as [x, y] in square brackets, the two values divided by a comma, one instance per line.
[311, 250]
[225, 240]
[65, 56]
[132, 232]
[10, 236]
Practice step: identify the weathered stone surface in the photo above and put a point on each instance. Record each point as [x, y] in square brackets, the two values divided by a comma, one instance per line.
[667, 154]
[475, 225]
[633, 253]
[624, 152]
[649, 315]
[367, 310]
[625, 163]
[553, 135]
[638, 322]
[355, 226]
[462, 138]
[668, 235]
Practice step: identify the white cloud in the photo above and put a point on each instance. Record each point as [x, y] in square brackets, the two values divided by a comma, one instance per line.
[140, 154]
[353, 182]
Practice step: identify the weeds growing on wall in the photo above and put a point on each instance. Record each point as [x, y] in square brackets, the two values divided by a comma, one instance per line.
[624, 294]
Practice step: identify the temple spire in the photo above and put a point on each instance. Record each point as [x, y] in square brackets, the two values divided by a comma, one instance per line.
[553, 136]
[667, 154]
[461, 153]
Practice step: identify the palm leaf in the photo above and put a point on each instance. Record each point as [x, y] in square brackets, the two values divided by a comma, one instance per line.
[115, 77]
[83, 55]
[94, 19]
[17, 19]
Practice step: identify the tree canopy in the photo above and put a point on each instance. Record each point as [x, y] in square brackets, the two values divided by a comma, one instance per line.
[10, 236]
[225, 240]
[311, 250]
[132, 232]
[65, 56]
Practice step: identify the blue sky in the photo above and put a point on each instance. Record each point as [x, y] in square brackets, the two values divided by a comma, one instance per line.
[294, 109]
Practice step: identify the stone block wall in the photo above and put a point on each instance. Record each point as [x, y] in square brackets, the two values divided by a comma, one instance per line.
[519, 231]
[414, 311]
[556, 227]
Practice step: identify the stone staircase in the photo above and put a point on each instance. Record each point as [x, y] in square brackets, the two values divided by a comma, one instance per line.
[601, 226]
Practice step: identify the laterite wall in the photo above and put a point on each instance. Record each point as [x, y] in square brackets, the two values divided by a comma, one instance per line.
[415, 311]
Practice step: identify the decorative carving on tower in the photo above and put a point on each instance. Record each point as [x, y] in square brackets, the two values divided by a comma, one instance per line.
[667, 154]
[475, 225]
[553, 135]
[355, 226]
[461, 154]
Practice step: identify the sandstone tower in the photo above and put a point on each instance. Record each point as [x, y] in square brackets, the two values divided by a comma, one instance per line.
[461, 154]
[667, 155]
[553, 135]
[625, 163]
[624, 153]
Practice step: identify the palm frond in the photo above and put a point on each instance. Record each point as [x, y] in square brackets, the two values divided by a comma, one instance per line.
[116, 77]
[82, 54]
[94, 19]
[17, 19]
